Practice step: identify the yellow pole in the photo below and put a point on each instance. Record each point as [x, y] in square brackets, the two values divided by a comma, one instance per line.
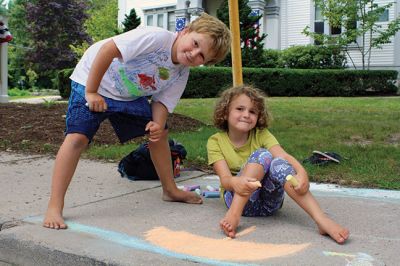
[235, 47]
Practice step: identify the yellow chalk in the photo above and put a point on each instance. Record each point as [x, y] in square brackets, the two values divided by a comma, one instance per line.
[258, 183]
[292, 180]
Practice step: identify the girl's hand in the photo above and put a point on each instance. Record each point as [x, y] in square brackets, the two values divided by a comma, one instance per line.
[155, 131]
[95, 102]
[303, 186]
[244, 186]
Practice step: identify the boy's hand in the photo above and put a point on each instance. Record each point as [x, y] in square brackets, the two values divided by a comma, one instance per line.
[95, 102]
[244, 186]
[155, 131]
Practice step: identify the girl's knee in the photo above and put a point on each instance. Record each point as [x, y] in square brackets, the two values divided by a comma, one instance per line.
[280, 168]
[261, 156]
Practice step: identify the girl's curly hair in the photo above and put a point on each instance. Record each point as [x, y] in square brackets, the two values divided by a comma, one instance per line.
[257, 97]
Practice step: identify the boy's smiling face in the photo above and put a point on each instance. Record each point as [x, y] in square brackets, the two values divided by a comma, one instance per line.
[192, 48]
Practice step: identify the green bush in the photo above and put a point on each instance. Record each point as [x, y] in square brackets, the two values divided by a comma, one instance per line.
[63, 83]
[17, 92]
[208, 82]
[313, 57]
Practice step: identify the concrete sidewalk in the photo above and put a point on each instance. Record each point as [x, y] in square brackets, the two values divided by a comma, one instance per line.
[114, 221]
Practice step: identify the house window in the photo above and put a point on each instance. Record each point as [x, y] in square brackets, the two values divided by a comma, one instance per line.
[384, 17]
[161, 16]
[160, 20]
[149, 21]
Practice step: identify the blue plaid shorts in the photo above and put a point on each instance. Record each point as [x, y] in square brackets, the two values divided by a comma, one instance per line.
[128, 118]
[268, 199]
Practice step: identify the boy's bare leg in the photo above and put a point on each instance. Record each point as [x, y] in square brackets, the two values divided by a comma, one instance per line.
[64, 168]
[232, 217]
[161, 157]
[325, 224]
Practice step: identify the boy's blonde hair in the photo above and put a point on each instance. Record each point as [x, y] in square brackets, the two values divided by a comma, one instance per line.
[217, 30]
[256, 96]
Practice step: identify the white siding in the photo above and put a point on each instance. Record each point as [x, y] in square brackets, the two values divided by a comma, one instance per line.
[296, 15]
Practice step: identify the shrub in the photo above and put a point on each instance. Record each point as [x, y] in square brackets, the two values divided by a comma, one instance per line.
[63, 83]
[313, 57]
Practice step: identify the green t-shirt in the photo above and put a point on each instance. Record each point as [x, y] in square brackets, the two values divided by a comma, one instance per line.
[219, 147]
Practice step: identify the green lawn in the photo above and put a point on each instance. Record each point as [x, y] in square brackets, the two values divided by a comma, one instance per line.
[366, 131]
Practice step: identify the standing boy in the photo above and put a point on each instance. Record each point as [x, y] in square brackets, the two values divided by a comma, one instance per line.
[112, 80]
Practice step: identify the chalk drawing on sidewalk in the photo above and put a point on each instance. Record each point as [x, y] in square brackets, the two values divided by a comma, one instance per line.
[156, 243]
[218, 249]
[358, 259]
[326, 190]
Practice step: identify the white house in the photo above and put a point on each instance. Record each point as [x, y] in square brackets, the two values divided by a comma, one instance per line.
[283, 21]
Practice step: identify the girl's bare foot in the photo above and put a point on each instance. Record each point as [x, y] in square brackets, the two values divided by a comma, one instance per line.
[337, 232]
[182, 196]
[54, 220]
[229, 224]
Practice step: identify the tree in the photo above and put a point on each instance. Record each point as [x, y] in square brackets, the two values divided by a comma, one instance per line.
[103, 20]
[132, 21]
[250, 38]
[19, 46]
[360, 30]
[54, 26]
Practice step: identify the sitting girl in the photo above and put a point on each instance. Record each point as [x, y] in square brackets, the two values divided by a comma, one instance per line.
[252, 166]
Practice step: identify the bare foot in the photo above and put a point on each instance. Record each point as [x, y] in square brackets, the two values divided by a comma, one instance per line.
[54, 220]
[182, 196]
[229, 224]
[337, 232]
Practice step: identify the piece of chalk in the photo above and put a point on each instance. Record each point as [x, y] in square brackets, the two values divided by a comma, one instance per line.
[210, 188]
[197, 191]
[181, 187]
[292, 180]
[191, 188]
[211, 194]
[258, 183]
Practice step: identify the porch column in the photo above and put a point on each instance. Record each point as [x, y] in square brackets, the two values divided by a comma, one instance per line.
[272, 22]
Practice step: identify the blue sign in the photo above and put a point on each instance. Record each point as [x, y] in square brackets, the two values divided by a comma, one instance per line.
[180, 24]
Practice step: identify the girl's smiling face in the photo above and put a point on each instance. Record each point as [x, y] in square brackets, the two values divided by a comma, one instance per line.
[243, 115]
[192, 49]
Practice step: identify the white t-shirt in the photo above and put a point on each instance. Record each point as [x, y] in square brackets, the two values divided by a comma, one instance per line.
[146, 67]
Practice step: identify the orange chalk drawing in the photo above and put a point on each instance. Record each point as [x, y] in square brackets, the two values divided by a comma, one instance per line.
[218, 249]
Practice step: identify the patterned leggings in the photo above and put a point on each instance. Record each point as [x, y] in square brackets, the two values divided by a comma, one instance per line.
[266, 200]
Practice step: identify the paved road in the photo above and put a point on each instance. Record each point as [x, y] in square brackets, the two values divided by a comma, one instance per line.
[114, 221]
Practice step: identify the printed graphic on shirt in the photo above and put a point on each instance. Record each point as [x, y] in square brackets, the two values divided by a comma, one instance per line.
[144, 75]
[132, 88]
[146, 82]
[163, 73]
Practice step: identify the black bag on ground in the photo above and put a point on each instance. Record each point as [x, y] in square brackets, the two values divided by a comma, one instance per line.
[138, 165]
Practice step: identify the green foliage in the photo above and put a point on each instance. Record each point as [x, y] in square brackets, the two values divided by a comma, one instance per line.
[272, 58]
[103, 20]
[32, 78]
[63, 83]
[311, 56]
[54, 26]
[19, 46]
[15, 92]
[250, 38]
[132, 21]
[369, 32]
[206, 82]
